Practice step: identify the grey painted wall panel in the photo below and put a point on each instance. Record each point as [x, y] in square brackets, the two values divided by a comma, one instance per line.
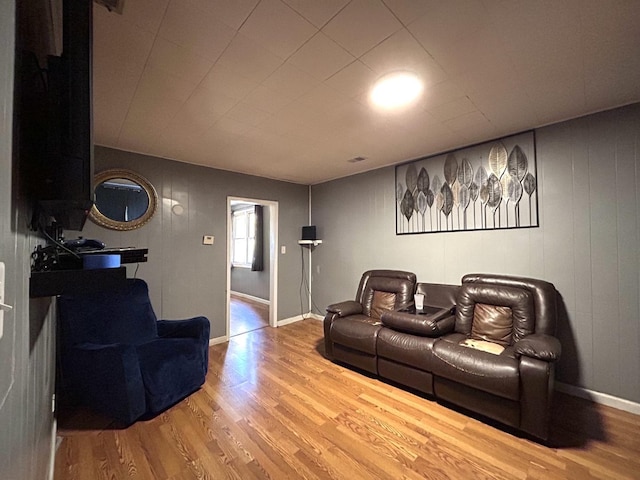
[587, 244]
[628, 215]
[185, 277]
[27, 349]
[604, 257]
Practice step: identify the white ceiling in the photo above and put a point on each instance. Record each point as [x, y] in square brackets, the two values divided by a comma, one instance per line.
[278, 88]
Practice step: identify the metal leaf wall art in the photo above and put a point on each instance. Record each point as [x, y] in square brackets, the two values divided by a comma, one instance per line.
[480, 187]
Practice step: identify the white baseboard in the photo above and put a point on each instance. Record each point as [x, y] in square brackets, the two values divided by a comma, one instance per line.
[297, 318]
[599, 397]
[287, 321]
[217, 340]
[250, 297]
[281, 323]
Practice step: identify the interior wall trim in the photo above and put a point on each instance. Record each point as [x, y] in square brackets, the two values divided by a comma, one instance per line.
[287, 321]
[250, 297]
[217, 340]
[599, 397]
[297, 318]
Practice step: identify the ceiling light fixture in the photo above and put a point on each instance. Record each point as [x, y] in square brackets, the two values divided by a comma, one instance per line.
[396, 90]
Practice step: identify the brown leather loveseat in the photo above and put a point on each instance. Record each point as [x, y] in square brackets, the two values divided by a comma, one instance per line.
[487, 346]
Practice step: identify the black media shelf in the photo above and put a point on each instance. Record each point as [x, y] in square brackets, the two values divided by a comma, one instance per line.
[61, 282]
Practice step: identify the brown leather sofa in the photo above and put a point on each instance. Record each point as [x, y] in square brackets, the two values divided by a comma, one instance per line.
[444, 354]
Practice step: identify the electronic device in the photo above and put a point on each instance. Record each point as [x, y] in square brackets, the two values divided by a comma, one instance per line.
[309, 233]
[53, 112]
[84, 244]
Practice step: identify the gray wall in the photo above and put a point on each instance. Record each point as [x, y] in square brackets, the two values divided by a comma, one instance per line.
[27, 350]
[185, 277]
[587, 245]
[256, 284]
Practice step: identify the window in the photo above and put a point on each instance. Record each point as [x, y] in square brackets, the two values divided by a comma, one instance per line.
[244, 237]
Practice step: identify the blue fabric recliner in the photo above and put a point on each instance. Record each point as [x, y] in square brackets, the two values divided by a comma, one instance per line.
[119, 360]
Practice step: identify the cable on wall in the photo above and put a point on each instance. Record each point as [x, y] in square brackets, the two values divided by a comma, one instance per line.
[304, 288]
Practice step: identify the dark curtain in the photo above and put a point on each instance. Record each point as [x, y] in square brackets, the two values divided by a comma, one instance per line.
[257, 265]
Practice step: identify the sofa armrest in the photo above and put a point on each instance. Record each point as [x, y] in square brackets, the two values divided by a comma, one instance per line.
[540, 346]
[344, 309]
[197, 327]
[434, 325]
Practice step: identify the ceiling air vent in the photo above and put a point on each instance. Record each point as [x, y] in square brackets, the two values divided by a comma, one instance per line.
[356, 159]
[112, 5]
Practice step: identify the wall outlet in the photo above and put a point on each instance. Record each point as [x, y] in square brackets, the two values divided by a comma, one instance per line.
[208, 240]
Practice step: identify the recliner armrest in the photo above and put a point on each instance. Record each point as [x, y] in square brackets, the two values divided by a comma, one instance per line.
[344, 309]
[197, 327]
[434, 325]
[540, 346]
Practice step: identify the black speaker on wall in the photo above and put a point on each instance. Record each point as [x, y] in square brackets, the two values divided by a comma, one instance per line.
[309, 233]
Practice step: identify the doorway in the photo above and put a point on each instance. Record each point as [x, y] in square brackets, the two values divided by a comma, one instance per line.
[251, 296]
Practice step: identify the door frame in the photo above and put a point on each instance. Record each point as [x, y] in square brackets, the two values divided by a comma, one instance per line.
[273, 258]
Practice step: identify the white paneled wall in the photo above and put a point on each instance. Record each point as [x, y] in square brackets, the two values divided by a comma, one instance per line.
[587, 244]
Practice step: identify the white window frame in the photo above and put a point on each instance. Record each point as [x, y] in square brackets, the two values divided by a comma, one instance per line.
[249, 214]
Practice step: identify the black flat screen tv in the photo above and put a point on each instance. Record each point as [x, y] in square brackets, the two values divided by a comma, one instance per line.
[53, 112]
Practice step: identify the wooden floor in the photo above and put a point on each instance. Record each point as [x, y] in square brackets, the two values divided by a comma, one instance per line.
[274, 407]
[246, 315]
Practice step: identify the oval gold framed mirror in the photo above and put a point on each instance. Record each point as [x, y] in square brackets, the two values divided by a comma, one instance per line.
[123, 200]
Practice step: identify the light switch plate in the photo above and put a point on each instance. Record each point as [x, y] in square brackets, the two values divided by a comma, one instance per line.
[283, 249]
[208, 240]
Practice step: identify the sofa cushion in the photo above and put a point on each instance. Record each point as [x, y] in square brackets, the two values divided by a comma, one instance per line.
[492, 323]
[496, 374]
[518, 300]
[381, 301]
[438, 295]
[358, 332]
[401, 284]
[405, 348]
[483, 345]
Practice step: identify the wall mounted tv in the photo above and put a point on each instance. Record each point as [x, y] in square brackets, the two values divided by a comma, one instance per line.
[53, 121]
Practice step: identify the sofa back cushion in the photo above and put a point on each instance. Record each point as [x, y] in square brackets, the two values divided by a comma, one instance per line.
[381, 301]
[122, 315]
[494, 323]
[438, 294]
[545, 296]
[401, 284]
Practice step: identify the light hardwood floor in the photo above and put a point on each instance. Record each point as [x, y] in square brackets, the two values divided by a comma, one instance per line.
[247, 315]
[274, 407]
